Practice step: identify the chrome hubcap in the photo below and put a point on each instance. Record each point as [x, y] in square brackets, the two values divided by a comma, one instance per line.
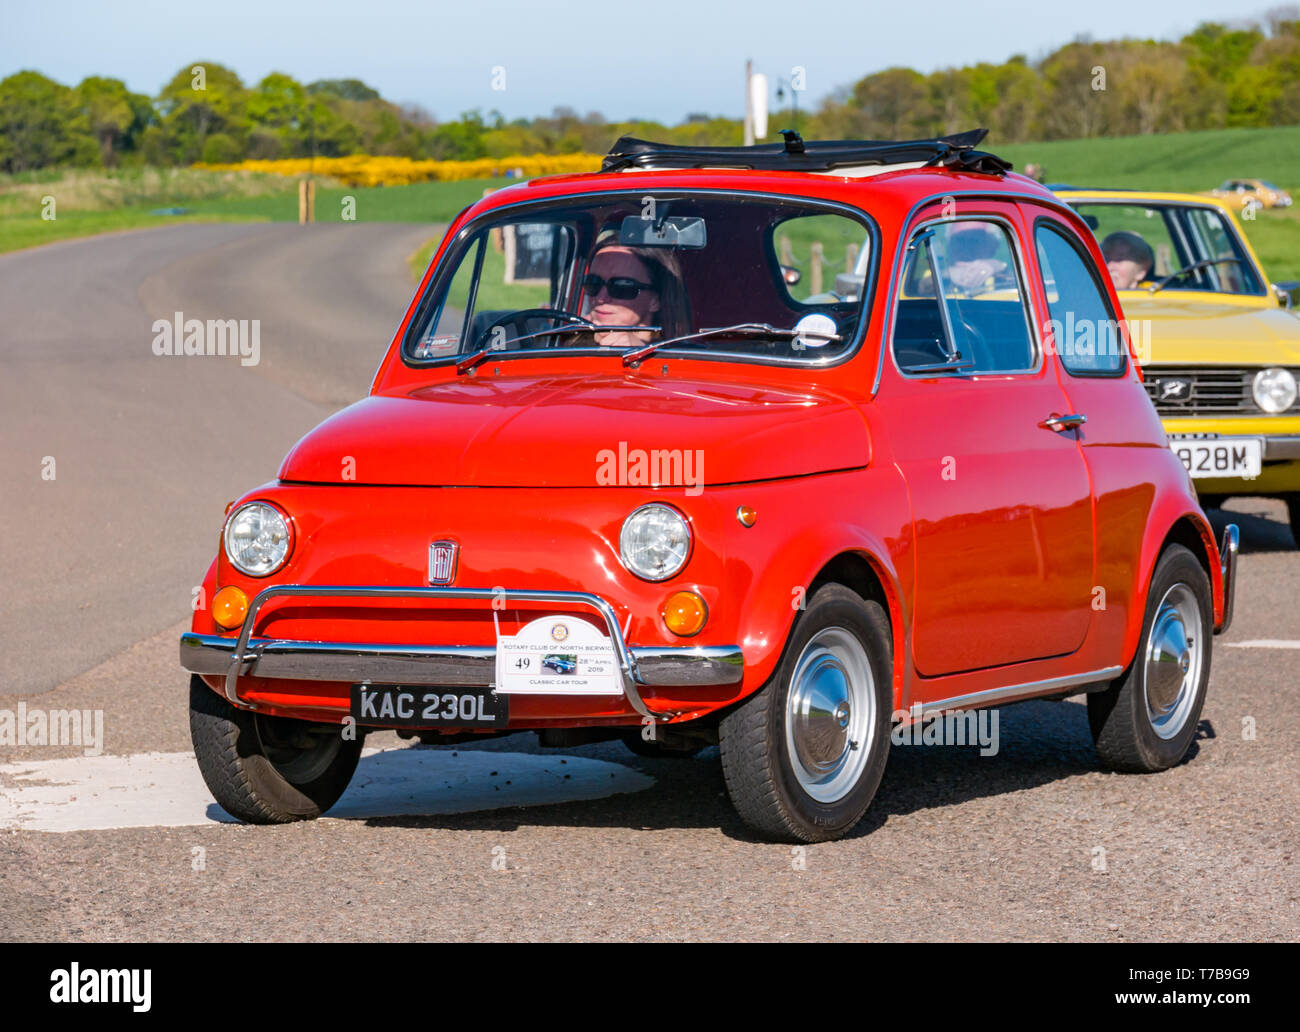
[830, 714]
[1174, 655]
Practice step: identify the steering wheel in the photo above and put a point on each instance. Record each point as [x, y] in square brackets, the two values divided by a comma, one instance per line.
[518, 321]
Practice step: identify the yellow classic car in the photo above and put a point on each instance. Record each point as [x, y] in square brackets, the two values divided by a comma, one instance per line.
[1219, 344]
[1241, 192]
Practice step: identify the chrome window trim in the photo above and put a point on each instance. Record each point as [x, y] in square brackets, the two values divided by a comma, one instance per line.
[854, 212]
[1035, 341]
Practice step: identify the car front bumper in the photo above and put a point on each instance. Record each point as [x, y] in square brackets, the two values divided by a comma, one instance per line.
[442, 665]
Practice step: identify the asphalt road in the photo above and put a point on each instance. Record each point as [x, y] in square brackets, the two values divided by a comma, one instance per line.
[504, 840]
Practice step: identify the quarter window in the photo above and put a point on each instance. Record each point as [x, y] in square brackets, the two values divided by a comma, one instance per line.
[1086, 336]
[961, 308]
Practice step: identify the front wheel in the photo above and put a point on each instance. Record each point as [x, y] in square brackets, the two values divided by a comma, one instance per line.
[1146, 720]
[268, 770]
[803, 757]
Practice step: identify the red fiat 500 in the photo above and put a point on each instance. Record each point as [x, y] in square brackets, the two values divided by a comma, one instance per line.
[781, 448]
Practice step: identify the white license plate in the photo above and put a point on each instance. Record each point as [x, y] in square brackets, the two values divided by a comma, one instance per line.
[1230, 457]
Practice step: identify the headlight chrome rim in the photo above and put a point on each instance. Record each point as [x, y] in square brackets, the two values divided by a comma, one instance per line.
[629, 527]
[1281, 376]
[232, 555]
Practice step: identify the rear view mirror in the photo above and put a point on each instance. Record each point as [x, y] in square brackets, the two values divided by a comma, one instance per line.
[683, 231]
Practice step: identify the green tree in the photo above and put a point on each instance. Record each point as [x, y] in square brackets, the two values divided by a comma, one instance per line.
[115, 116]
[41, 123]
[201, 99]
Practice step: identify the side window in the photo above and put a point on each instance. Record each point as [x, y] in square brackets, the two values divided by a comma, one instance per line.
[961, 308]
[517, 266]
[442, 334]
[1087, 337]
[823, 258]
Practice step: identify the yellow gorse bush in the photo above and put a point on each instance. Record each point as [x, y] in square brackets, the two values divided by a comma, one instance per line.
[368, 170]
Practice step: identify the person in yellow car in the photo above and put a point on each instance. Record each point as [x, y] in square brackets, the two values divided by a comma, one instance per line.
[1129, 259]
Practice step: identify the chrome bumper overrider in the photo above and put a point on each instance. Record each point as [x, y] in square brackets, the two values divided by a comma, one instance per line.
[1228, 569]
[449, 665]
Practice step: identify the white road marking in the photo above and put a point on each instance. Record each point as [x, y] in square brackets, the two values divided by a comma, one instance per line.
[93, 793]
[1264, 643]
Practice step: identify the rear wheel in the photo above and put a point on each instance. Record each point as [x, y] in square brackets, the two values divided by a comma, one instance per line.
[268, 770]
[803, 757]
[1147, 719]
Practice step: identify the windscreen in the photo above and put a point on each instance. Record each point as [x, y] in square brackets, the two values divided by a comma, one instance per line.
[755, 277]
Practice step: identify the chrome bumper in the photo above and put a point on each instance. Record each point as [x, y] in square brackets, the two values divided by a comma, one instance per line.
[448, 665]
[1228, 570]
[1279, 446]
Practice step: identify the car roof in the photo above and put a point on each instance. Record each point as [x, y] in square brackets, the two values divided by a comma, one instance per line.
[1102, 193]
[890, 174]
[841, 157]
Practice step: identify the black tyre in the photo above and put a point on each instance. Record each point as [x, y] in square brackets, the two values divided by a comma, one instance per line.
[268, 770]
[658, 750]
[1147, 719]
[803, 757]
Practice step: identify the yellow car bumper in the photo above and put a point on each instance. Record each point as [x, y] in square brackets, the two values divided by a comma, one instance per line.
[1281, 439]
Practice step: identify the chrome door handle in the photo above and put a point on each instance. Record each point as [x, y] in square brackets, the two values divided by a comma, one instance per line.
[1059, 423]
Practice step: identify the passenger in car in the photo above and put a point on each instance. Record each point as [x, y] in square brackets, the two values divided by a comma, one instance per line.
[973, 263]
[1129, 258]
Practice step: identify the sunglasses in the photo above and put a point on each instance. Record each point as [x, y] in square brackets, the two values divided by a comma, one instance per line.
[620, 288]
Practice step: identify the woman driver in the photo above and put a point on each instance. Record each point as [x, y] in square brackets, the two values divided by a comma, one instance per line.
[633, 286]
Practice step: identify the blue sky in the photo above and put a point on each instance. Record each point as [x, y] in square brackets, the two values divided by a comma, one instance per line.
[656, 60]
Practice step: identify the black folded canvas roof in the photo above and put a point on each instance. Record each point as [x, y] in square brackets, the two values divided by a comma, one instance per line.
[956, 151]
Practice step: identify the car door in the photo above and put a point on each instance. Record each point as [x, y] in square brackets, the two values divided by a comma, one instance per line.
[1082, 319]
[1000, 495]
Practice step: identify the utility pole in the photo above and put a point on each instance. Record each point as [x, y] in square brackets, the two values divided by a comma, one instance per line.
[749, 105]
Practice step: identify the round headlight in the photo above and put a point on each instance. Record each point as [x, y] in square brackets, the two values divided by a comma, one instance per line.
[655, 542]
[257, 539]
[1274, 389]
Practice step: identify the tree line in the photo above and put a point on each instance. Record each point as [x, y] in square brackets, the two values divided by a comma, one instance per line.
[1243, 74]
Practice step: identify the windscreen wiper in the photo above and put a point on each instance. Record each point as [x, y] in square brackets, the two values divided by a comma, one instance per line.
[470, 361]
[1204, 263]
[575, 322]
[745, 329]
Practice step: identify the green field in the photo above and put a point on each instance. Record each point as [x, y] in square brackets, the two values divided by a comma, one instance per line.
[90, 203]
[1187, 162]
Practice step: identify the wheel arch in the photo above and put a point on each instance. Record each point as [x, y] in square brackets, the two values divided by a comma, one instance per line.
[862, 572]
[1191, 530]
